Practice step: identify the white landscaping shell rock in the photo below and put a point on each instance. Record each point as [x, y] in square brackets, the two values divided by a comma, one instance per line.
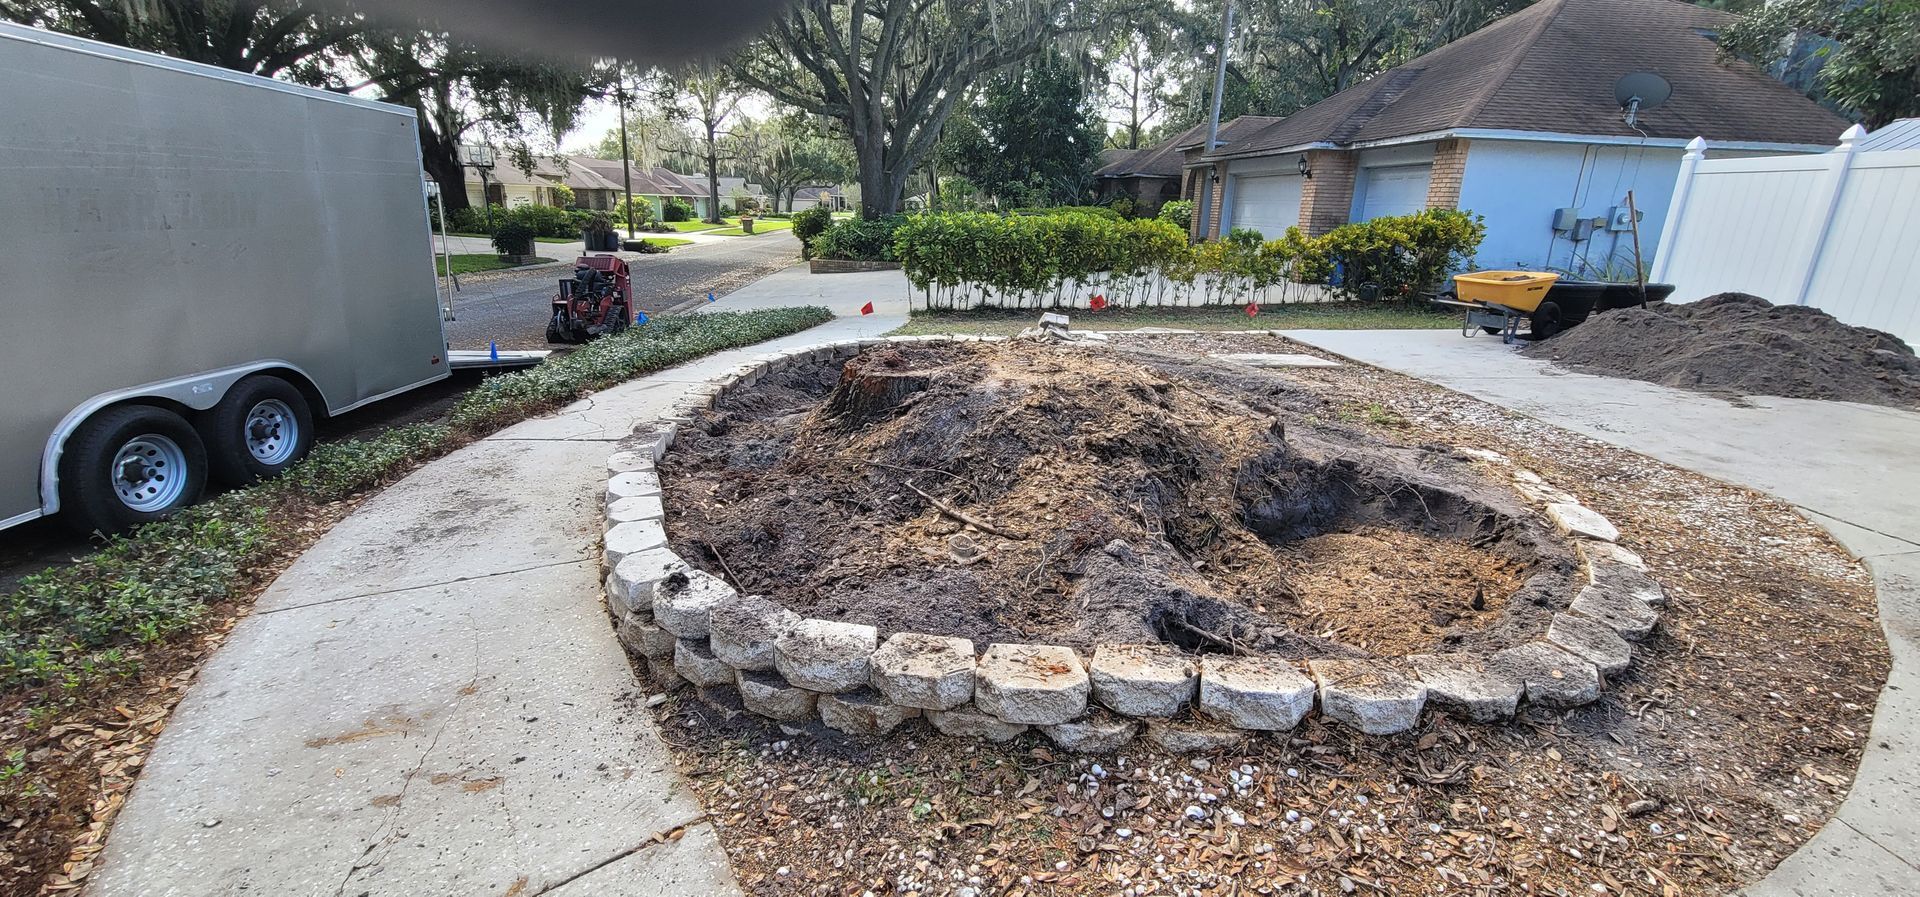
[1038, 685]
[1368, 695]
[1143, 680]
[931, 672]
[1580, 520]
[862, 712]
[742, 631]
[1592, 640]
[683, 599]
[1262, 693]
[969, 722]
[771, 696]
[825, 655]
[1464, 684]
[1552, 677]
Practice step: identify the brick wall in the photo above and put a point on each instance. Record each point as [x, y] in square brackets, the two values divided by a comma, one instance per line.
[1449, 165]
[1213, 208]
[1327, 196]
[1191, 180]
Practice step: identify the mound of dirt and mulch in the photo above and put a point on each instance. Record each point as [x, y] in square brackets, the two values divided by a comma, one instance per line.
[1740, 344]
[1021, 492]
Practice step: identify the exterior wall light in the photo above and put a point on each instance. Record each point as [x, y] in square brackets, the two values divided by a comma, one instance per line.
[1306, 171]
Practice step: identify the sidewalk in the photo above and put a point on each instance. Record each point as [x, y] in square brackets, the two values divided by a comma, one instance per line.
[431, 701]
[1851, 468]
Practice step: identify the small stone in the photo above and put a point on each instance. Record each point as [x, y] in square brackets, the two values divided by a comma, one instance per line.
[625, 539]
[630, 583]
[1262, 693]
[645, 639]
[968, 722]
[1189, 737]
[863, 712]
[771, 696]
[1529, 484]
[695, 662]
[635, 508]
[1552, 677]
[1098, 732]
[825, 655]
[1463, 683]
[1613, 603]
[1142, 680]
[683, 598]
[743, 631]
[931, 672]
[1580, 520]
[1368, 695]
[1031, 684]
[1593, 640]
[1487, 455]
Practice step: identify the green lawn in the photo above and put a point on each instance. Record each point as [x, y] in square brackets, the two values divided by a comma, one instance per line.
[1299, 316]
[666, 242]
[536, 239]
[474, 262]
[692, 227]
[760, 226]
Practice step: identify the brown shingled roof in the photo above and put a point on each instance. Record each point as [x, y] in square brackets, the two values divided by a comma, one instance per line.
[1551, 68]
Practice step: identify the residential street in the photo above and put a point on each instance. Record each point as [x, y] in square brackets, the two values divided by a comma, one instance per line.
[511, 309]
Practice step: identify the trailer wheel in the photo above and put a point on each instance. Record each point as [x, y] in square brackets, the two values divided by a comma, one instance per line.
[260, 428]
[128, 465]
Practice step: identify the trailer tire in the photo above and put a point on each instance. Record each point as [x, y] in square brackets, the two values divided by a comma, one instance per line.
[260, 428]
[128, 465]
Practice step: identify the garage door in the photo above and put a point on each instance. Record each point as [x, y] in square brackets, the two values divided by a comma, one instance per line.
[1395, 190]
[1268, 203]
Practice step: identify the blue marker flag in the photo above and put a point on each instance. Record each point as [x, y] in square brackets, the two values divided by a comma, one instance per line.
[709, 297]
[493, 351]
[639, 317]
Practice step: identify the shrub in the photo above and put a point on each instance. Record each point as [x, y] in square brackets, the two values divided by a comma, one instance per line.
[676, 209]
[1099, 211]
[1177, 212]
[1035, 253]
[1122, 206]
[512, 236]
[1399, 255]
[472, 220]
[858, 239]
[810, 223]
[546, 221]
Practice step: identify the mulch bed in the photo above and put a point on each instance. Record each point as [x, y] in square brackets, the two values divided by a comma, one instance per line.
[1727, 745]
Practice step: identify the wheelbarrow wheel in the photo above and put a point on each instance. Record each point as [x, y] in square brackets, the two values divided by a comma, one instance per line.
[1491, 330]
[1547, 321]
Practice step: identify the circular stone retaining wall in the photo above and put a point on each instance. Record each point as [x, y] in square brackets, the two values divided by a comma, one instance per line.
[745, 652]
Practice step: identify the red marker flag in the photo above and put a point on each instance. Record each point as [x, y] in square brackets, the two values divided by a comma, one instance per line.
[1253, 308]
[1098, 302]
[866, 309]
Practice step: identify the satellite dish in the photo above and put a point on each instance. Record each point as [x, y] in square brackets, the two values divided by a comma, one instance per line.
[1639, 91]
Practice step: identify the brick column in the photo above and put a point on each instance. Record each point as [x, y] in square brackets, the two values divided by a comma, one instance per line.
[1213, 208]
[1327, 197]
[1449, 165]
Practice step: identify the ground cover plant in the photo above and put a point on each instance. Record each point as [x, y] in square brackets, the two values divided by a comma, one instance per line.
[93, 654]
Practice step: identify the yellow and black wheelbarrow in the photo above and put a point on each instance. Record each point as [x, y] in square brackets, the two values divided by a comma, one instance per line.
[1496, 302]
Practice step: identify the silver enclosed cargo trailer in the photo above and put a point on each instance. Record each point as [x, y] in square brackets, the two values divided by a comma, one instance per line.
[194, 264]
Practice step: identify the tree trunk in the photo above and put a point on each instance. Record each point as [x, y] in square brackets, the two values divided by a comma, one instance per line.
[441, 159]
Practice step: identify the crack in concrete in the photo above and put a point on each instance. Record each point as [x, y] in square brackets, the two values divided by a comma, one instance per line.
[657, 838]
[428, 585]
[1875, 842]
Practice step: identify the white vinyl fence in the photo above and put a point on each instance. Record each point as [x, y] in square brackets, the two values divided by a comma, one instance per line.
[1839, 231]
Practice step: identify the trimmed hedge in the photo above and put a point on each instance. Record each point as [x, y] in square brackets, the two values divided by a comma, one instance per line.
[858, 240]
[810, 223]
[74, 626]
[971, 259]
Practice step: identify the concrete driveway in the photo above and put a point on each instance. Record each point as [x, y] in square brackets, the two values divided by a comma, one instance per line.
[1854, 469]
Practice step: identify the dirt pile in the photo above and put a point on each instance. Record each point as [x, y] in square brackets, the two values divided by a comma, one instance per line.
[1736, 343]
[1027, 493]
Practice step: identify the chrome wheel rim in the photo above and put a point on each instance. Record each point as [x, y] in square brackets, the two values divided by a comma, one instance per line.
[149, 473]
[272, 432]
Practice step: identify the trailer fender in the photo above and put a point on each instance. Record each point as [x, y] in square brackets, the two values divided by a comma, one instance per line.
[195, 392]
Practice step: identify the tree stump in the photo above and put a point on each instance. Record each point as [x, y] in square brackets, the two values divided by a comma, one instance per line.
[873, 387]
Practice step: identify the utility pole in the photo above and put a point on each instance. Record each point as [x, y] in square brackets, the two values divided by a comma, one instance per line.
[626, 166]
[1220, 74]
